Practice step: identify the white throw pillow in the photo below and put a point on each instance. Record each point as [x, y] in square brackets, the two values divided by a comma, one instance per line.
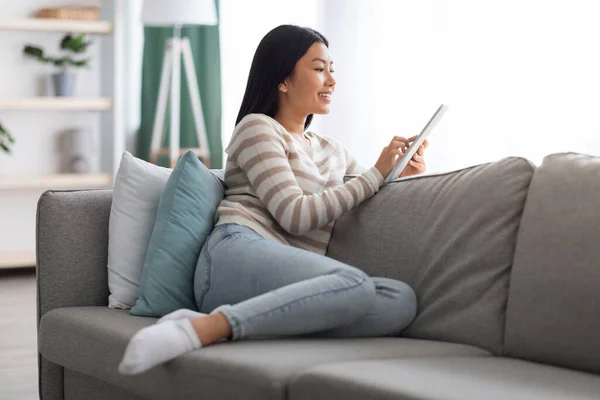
[137, 191]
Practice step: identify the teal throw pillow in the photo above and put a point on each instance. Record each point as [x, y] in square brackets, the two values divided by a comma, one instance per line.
[184, 219]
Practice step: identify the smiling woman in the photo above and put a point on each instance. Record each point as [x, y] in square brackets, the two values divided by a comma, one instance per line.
[263, 270]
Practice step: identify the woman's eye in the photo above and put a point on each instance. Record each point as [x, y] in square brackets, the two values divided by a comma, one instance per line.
[320, 69]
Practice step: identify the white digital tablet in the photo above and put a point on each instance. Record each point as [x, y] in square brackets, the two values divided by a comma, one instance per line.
[414, 146]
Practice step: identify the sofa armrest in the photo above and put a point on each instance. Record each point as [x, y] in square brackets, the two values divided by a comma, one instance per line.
[72, 249]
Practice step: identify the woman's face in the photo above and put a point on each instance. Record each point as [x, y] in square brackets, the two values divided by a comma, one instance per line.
[310, 86]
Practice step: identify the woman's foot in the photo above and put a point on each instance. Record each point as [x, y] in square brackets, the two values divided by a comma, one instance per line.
[181, 314]
[157, 344]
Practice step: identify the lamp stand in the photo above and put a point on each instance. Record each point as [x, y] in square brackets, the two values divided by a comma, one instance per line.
[175, 49]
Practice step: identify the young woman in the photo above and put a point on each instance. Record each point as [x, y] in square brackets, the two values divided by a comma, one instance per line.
[262, 271]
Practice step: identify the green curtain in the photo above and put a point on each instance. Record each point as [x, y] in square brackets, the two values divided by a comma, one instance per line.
[204, 41]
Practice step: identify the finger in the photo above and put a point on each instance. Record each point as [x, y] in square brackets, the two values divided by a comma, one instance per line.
[398, 152]
[410, 139]
[418, 159]
[426, 143]
[419, 166]
[400, 139]
[399, 144]
[421, 149]
[402, 146]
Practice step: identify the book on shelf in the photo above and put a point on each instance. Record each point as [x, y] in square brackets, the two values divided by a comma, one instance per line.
[70, 13]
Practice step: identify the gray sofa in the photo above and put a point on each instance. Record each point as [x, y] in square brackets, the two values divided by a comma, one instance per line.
[504, 257]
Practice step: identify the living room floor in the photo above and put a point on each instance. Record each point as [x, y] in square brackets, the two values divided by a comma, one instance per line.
[18, 339]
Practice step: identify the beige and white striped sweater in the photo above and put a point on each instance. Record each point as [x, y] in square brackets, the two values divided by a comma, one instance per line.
[289, 191]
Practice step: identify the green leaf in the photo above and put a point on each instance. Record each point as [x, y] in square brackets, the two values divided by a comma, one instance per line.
[81, 63]
[64, 43]
[4, 147]
[33, 51]
[75, 44]
[62, 62]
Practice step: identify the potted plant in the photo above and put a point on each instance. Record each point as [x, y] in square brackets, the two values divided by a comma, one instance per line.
[64, 81]
[6, 139]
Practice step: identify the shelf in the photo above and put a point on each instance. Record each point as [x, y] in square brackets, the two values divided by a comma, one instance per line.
[58, 181]
[56, 25]
[17, 259]
[57, 104]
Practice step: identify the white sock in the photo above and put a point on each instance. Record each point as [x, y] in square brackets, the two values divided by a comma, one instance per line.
[157, 344]
[180, 314]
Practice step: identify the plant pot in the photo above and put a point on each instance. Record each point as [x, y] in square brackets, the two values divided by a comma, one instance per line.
[64, 83]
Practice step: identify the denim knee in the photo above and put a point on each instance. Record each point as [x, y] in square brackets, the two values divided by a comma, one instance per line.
[365, 288]
[403, 308]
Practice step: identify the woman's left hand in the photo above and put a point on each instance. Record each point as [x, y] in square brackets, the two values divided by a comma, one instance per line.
[416, 165]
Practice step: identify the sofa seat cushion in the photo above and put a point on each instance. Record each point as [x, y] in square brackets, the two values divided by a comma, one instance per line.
[91, 340]
[461, 378]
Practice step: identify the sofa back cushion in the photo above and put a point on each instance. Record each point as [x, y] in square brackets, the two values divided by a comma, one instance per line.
[449, 236]
[553, 313]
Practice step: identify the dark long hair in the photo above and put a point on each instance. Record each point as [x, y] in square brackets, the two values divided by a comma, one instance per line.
[274, 60]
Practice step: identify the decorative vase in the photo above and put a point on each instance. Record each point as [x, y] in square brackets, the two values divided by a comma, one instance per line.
[64, 83]
[79, 151]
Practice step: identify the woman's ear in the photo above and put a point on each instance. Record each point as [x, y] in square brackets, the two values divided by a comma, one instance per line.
[283, 87]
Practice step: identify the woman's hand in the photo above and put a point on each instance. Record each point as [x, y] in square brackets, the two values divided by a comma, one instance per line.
[391, 154]
[416, 165]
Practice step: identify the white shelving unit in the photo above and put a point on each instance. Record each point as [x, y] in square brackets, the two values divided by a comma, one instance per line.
[114, 104]
[56, 25]
[57, 104]
[56, 181]
[17, 259]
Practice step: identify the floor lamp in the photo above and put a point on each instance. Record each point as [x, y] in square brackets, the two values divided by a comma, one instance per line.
[176, 13]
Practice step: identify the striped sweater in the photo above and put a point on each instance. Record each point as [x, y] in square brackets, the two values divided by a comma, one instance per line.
[289, 191]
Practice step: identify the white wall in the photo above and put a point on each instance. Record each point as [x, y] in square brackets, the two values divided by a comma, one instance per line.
[521, 77]
[134, 52]
[133, 47]
[243, 24]
[356, 97]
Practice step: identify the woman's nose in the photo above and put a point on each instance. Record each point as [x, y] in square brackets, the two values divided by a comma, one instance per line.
[331, 81]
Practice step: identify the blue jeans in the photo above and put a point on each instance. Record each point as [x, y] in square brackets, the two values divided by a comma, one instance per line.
[268, 289]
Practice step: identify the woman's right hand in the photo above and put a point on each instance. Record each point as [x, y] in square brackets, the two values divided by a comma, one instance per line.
[391, 154]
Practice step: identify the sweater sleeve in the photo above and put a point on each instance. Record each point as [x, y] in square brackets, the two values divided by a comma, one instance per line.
[353, 168]
[261, 153]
